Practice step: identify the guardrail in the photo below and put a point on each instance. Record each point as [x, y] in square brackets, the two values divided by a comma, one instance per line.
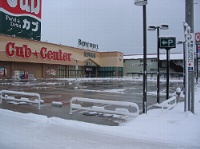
[167, 103]
[76, 102]
[5, 94]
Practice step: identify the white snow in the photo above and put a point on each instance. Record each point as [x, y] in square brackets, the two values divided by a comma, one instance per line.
[174, 129]
[173, 56]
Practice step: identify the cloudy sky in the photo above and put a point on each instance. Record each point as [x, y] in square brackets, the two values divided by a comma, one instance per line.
[115, 25]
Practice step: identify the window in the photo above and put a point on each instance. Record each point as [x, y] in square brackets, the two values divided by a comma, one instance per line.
[61, 71]
[106, 71]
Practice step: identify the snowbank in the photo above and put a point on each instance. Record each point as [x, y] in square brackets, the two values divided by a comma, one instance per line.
[156, 129]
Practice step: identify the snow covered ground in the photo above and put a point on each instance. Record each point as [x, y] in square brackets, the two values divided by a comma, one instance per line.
[172, 129]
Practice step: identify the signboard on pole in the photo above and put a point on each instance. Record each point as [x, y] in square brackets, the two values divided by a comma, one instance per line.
[167, 42]
[190, 52]
[198, 49]
[21, 18]
[197, 38]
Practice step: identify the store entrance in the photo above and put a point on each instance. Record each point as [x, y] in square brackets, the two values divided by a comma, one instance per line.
[90, 68]
[90, 71]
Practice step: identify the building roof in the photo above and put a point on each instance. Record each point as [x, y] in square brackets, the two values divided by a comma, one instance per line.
[173, 56]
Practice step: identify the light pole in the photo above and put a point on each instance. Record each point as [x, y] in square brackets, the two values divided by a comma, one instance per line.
[76, 68]
[144, 3]
[153, 28]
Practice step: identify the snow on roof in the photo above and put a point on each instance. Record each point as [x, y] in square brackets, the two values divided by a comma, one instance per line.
[173, 56]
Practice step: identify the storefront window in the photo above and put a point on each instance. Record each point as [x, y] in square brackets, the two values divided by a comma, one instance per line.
[106, 72]
[62, 71]
[72, 71]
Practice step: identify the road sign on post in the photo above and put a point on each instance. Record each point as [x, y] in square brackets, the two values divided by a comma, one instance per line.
[167, 42]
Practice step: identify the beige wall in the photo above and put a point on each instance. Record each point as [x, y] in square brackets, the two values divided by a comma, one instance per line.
[112, 59]
[31, 68]
[102, 59]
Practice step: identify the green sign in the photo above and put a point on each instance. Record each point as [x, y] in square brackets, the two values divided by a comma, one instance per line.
[167, 42]
[20, 18]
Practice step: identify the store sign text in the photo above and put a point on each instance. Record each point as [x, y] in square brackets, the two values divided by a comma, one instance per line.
[87, 44]
[32, 6]
[89, 54]
[45, 53]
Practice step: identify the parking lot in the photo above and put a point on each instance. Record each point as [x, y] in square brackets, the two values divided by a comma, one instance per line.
[63, 90]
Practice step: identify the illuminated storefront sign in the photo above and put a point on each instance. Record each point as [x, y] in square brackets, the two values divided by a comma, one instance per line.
[21, 18]
[46, 54]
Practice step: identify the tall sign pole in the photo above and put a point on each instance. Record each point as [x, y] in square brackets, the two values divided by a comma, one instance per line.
[189, 87]
[189, 20]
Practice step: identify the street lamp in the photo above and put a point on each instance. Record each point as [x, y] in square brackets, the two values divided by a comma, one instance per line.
[144, 3]
[153, 28]
[140, 2]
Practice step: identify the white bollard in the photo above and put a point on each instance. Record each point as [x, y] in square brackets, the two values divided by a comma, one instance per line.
[57, 104]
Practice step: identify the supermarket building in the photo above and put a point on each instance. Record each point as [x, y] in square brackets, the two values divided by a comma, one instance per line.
[24, 56]
[20, 57]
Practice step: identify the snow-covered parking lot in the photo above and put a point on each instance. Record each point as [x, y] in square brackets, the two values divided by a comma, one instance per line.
[170, 129]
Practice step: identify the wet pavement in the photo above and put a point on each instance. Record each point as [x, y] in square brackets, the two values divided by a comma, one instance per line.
[63, 90]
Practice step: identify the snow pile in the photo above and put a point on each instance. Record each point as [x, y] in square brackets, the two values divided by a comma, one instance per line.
[172, 129]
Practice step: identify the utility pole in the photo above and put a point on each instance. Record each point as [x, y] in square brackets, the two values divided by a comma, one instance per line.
[189, 19]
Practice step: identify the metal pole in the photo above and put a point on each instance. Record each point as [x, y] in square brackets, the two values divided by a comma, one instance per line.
[144, 61]
[158, 73]
[76, 69]
[197, 58]
[168, 65]
[184, 76]
[189, 19]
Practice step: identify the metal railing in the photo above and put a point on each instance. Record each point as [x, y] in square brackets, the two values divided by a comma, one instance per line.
[169, 103]
[11, 95]
[76, 102]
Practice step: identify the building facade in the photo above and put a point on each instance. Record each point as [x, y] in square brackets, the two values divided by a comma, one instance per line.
[133, 64]
[25, 58]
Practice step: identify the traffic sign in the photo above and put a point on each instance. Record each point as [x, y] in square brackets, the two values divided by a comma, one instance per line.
[197, 38]
[167, 42]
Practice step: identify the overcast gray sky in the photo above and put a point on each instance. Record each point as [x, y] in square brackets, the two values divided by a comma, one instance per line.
[115, 25]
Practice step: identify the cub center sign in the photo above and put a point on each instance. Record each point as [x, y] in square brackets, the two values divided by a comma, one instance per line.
[24, 51]
[21, 18]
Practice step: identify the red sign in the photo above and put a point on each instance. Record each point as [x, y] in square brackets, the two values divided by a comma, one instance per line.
[45, 53]
[198, 48]
[31, 7]
[197, 38]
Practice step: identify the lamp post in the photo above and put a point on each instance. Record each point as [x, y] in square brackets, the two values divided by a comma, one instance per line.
[153, 28]
[76, 68]
[144, 3]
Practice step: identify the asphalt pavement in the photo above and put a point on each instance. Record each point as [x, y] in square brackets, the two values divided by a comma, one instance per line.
[63, 90]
